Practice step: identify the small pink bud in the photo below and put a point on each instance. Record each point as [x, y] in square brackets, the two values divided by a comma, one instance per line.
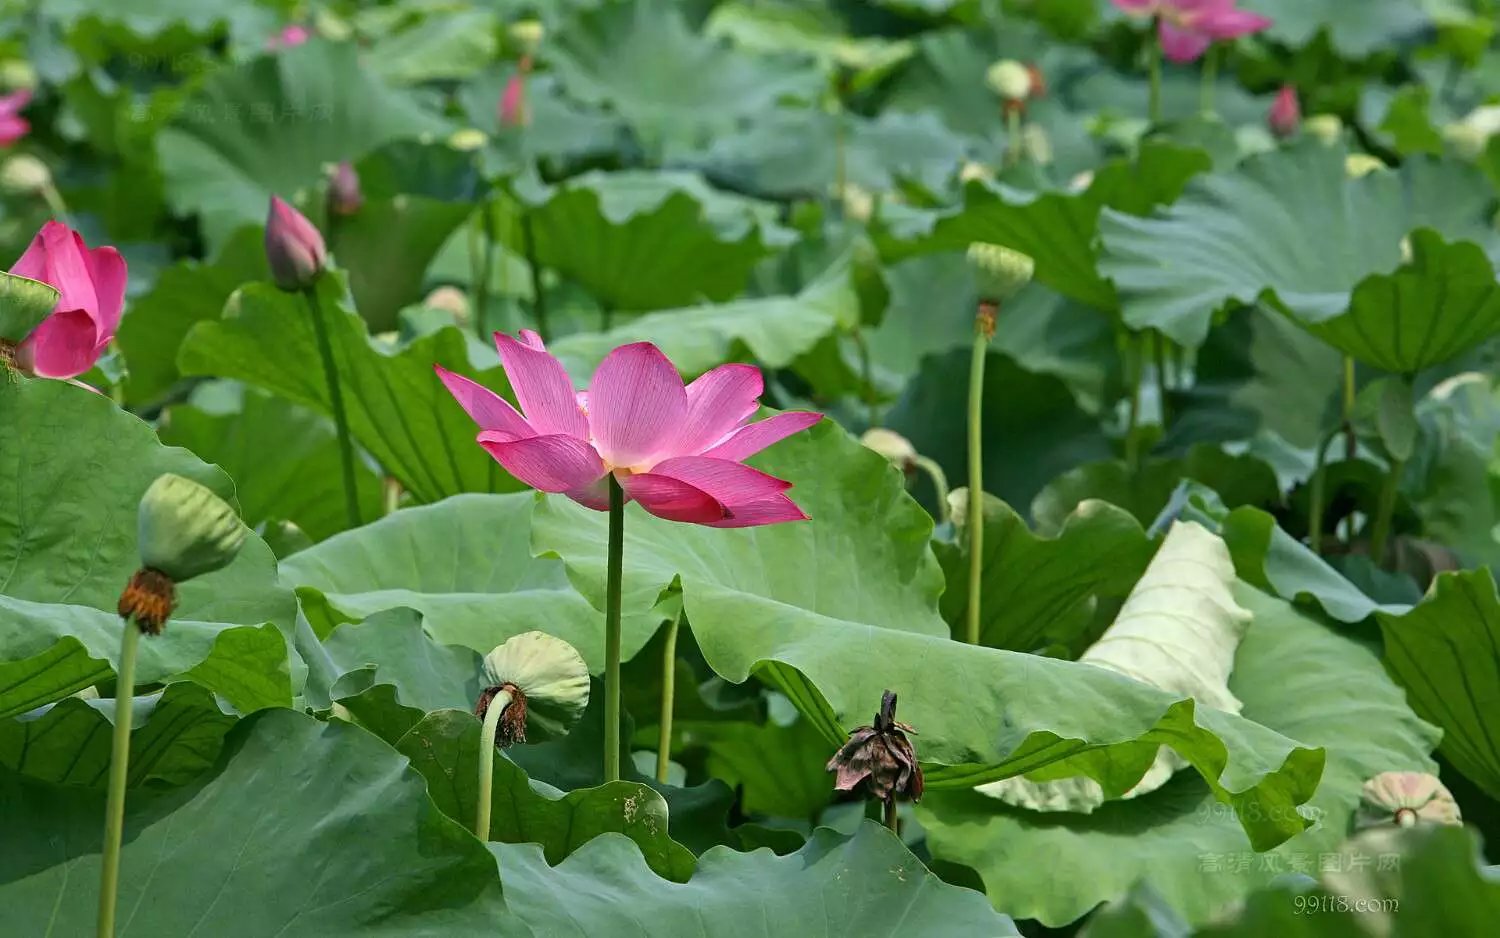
[344, 196]
[1286, 114]
[294, 248]
[293, 35]
[512, 111]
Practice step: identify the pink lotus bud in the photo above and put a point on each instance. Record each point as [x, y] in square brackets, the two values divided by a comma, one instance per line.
[1286, 113]
[293, 35]
[12, 125]
[91, 288]
[344, 196]
[513, 102]
[294, 247]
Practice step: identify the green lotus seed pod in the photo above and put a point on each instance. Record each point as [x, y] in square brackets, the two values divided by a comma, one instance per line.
[186, 530]
[545, 676]
[1324, 128]
[24, 174]
[528, 34]
[1009, 79]
[17, 75]
[999, 272]
[893, 446]
[467, 139]
[1361, 164]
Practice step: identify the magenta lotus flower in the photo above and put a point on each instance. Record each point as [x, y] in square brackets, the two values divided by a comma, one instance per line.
[1286, 114]
[12, 125]
[1188, 27]
[91, 284]
[294, 247]
[677, 450]
[512, 110]
[293, 35]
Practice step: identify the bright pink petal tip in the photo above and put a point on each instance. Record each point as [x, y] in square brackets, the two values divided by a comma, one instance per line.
[488, 409]
[718, 402]
[752, 438]
[542, 386]
[777, 510]
[555, 463]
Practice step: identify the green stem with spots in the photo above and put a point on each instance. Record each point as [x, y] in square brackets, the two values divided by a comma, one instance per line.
[1318, 494]
[538, 295]
[668, 688]
[336, 401]
[1384, 510]
[976, 475]
[119, 768]
[487, 733]
[939, 484]
[613, 575]
[891, 819]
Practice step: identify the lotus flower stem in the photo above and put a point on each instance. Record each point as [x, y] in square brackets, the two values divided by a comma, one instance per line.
[119, 768]
[866, 376]
[1210, 79]
[1351, 440]
[336, 399]
[668, 688]
[612, 630]
[1317, 495]
[487, 733]
[486, 250]
[1134, 352]
[939, 484]
[840, 157]
[1014, 146]
[538, 295]
[984, 328]
[1383, 511]
[1153, 65]
[1159, 355]
[892, 820]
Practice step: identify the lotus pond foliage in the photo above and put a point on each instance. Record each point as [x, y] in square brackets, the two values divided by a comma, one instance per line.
[711, 467]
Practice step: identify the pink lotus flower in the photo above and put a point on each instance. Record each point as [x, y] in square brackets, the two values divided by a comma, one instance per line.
[512, 110]
[293, 35]
[12, 125]
[1188, 27]
[678, 451]
[1286, 114]
[344, 194]
[91, 284]
[294, 247]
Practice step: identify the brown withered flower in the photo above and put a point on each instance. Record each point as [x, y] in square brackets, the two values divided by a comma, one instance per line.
[880, 758]
[512, 728]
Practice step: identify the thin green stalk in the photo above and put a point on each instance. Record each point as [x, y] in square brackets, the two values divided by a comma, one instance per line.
[1210, 79]
[1134, 376]
[538, 295]
[840, 159]
[336, 399]
[1351, 444]
[668, 687]
[119, 769]
[1015, 148]
[55, 203]
[1384, 510]
[612, 631]
[1317, 495]
[1153, 64]
[866, 376]
[487, 762]
[939, 484]
[976, 476]
[486, 263]
[1159, 355]
[891, 819]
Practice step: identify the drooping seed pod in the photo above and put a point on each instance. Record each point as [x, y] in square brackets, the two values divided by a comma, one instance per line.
[880, 758]
[1406, 799]
[542, 682]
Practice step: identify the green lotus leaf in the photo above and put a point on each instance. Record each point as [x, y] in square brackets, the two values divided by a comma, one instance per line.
[23, 305]
[247, 21]
[1443, 653]
[1262, 232]
[1354, 32]
[466, 565]
[673, 87]
[1444, 302]
[177, 735]
[865, 884]
[445, 45]
[1041, 590]
[415, 197]
[777, 770]
[771, 28]
[1033, 426]
[861, 577]
[1294, 674]
[236, 427]
[442, 747]
[772, 331]
[1059, 229]
[271, 125]
[397, 408]
[70, 531]
[356, 845]
[642, 240]
[184, 294]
